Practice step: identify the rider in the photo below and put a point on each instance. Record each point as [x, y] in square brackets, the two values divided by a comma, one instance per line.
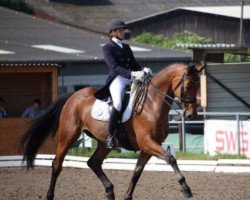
[122, 69]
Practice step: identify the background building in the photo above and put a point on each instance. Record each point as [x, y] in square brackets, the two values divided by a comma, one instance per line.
[219, 23]
[26, 41]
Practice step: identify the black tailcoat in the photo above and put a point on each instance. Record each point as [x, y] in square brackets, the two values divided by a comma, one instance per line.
[121, 61]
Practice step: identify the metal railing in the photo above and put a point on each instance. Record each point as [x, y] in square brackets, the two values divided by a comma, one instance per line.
[205, 114]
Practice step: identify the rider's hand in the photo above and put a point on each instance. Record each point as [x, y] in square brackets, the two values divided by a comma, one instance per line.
[148, 71]
[137, 74]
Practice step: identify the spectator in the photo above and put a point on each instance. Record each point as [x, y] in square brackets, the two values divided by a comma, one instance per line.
[3, 112]
[34, 110]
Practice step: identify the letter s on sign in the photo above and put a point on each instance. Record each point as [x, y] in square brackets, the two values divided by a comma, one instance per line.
[220, 143]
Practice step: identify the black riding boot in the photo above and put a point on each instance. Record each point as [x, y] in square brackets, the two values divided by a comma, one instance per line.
[113, 121]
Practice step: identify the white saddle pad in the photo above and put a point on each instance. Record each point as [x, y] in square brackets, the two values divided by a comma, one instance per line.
[101, 109]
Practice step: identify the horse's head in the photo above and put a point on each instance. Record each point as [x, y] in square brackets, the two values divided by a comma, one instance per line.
[185, 87]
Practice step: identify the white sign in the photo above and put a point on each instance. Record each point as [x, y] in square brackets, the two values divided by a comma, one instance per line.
[221, 136]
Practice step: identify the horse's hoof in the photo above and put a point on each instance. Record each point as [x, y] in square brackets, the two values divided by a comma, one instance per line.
[128, 198]
[110, 196]
[50, 197]
[186, 192]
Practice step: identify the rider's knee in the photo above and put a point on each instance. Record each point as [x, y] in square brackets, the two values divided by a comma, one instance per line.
[118, 106]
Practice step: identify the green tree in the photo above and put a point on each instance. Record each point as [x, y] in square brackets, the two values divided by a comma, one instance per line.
[185, 37]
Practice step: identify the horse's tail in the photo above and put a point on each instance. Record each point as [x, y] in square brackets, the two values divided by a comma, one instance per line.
[40, 129]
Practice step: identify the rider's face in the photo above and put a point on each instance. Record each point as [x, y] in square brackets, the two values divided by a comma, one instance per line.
[119, 33]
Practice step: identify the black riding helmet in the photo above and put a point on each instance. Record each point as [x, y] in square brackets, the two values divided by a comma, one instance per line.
[116, 23]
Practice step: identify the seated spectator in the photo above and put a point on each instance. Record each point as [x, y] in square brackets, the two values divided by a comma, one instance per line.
[3, 112]
[34, 110]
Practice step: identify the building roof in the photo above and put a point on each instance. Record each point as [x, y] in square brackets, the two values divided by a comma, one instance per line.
[24, 38]
[95, 14]
[229, 11]
[226, 11]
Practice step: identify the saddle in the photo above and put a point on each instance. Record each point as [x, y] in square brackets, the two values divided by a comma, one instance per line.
[101, 111]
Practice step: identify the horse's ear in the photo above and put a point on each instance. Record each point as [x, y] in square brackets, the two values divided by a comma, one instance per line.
[199, 68]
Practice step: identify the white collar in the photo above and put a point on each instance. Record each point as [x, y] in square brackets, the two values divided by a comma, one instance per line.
[117, 41]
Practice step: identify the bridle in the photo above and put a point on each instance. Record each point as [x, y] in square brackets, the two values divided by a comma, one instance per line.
[182, 99]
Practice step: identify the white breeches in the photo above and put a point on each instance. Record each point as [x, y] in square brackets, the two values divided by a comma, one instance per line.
[116, 89]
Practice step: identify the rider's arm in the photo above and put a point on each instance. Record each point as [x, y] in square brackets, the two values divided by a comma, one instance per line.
[135, 65]
[110, 60]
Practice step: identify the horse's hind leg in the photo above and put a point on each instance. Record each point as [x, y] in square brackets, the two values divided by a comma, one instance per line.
[141, 162]
[95, 163]
[65, 140]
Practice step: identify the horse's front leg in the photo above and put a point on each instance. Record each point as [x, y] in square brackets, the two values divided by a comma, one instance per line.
[141, 162]
[157, 150]
[185, 190]
[95, 163]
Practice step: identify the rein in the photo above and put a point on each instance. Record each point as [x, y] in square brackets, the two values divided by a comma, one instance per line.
[143, 90]
[141, 93]
[165, 96]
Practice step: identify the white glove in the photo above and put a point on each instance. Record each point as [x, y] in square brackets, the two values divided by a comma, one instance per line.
[137, 74]
[148, 71]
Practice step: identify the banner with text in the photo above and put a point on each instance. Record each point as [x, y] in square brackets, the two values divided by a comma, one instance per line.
[221, 136]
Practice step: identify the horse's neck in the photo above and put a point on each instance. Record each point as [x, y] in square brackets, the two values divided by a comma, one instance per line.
[163, 82]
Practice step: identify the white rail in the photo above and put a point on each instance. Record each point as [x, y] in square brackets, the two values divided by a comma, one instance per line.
[154, 164]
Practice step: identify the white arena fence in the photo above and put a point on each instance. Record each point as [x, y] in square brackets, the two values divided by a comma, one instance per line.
[154, 164]
[218, 116]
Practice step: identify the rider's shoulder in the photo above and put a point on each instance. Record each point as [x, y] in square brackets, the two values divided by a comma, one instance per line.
[125, 45]
[107, 46]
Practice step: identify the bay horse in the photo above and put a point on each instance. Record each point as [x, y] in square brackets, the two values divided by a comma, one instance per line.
[71, 113]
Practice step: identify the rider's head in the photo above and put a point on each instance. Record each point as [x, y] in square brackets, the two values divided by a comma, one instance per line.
[116, 28]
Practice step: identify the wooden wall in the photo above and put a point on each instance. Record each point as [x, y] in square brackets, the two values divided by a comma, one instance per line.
[219, 29]
[19, 86]
[11, 129]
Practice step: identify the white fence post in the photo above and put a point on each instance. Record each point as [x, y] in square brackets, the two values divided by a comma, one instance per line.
[238, 131]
